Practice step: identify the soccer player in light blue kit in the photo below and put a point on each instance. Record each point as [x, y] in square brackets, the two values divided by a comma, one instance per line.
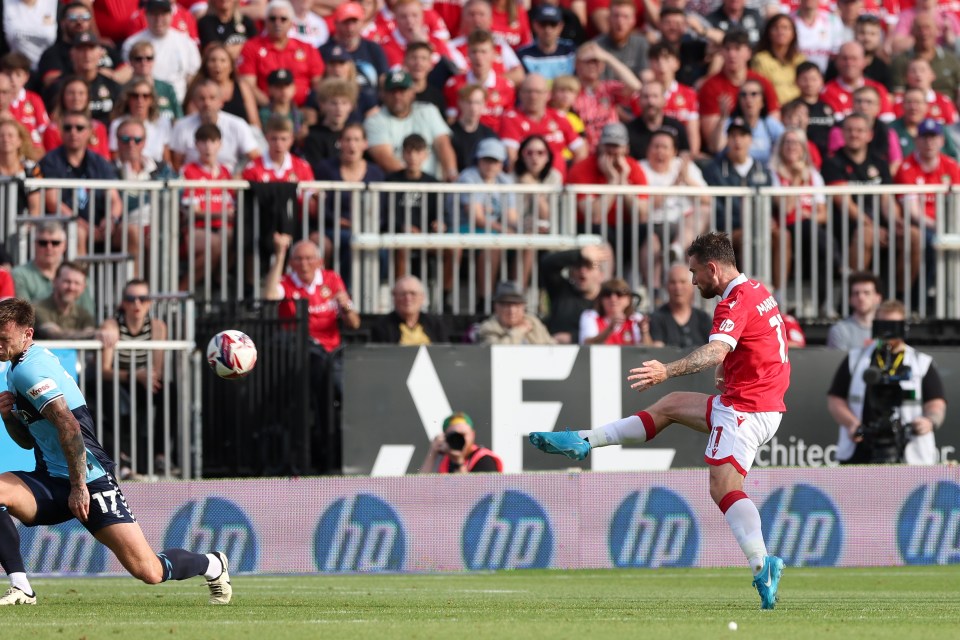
[43, 409]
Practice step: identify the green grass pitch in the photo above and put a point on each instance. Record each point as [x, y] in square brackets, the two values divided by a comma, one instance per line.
[902, 603]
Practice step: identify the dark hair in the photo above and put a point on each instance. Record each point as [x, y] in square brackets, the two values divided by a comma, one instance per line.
[673, 11]
[863, 277]
[73, 266]
[792, 106]
[665, 133]
[520, 165]
[715, 246]
[414, 142]
[18, 311]
[615, 285]
[480, 36]
[136, 282]
[736, 36]
[58, 107]
[207, 131]
[662, 49]
[413, 47]
[14, 61]
[765, 45]
[764, 110]
[806, 65]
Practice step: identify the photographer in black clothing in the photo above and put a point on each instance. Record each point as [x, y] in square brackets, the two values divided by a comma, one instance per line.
[887, 398]
[572, 281]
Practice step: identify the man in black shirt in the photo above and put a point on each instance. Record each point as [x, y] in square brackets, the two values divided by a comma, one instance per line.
[85, 54]
[75, 19]
[732, 15]
[224, 23]
[467, 132]
[676, 32]
[652, 119]
[678, 323]
[822, 119]
[337, 99]
[572, 281]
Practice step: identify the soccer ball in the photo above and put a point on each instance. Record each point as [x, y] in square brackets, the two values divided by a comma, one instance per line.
[231, 354]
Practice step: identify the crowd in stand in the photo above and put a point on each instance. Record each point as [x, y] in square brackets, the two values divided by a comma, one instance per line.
[625, 92]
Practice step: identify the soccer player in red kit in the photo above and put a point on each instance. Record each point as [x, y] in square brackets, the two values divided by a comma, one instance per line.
[748, 347]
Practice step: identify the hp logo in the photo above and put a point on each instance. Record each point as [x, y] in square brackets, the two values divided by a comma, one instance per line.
[928, 526]
[508, 530]
[653, 529]
[362, 534]
[64, 548]
[802, 526]
[214, 524]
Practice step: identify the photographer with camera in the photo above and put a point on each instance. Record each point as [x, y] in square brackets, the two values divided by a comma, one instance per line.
[887, 398]
[457, 450]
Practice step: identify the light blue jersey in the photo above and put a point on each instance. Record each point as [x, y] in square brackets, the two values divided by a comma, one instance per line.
[37, 378]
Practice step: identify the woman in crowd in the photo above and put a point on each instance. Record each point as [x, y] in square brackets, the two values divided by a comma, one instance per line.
[142, 60]
[18, 160]
[778, 55]
[75, 96]
[138, 101]
[751, 107]
[534, 165]
[614, 318]
[238, 98]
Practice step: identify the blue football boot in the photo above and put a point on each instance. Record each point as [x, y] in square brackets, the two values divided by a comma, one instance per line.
[767, 581]
[567, 443]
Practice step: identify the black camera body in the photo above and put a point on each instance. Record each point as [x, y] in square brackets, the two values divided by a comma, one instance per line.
[884, 434]
[455, 441]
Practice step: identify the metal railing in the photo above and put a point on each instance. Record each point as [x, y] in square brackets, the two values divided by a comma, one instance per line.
[182, 236]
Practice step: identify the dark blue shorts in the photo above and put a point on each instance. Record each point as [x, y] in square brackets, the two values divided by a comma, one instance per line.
[107, 504]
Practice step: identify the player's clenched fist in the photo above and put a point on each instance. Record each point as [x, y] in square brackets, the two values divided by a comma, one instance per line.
[7, 400]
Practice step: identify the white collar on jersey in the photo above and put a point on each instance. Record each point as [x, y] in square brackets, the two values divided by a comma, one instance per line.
[317, 281]
[740, 279]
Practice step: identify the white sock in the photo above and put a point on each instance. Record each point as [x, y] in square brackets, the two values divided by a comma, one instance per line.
[622, 431]
[214, 569]
[744, 521]
[19, 580]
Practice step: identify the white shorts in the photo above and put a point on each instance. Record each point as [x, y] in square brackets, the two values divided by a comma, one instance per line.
[735, 436]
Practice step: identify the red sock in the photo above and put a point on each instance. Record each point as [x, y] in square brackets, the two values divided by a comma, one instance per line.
[648, 424]
[727, 501]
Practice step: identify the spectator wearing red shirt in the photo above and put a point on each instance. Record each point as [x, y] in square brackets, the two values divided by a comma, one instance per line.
[27, 107]
[74, 95]
[533, 117]
[927, 165]
[501, 94]
[511, 23]
[602, 102]
[279, 165]
[598, 12]
[612, 166]
[112, 18]
[275, 49]
[411, 27]
[718, 95]
[920, 76]
[838, 93]
[478, 16]
[386, 20]
[680, 101]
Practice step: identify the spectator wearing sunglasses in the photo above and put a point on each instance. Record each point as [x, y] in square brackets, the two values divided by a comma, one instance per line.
[614, 318]
[177, 56]
[139, 102]
[34, 279]
[76, 18]
[142, 60]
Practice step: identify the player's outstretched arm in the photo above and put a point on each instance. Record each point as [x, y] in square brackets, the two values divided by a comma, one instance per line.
[74, 450]
[653, 372]
[17, 430]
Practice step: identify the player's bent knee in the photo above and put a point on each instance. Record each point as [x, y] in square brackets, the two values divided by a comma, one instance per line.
[148, 572]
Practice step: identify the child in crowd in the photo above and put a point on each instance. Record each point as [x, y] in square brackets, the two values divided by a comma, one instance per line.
[27, 107]
[280, 91]
[564, 91]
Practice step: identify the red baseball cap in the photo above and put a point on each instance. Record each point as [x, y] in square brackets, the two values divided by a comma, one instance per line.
[348, 11]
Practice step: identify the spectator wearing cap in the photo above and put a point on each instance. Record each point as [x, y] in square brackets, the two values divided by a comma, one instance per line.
[734, 167]
[927, 165]
[913, 109]
[478, 16]
[532, 116]
[733, 15]
[819, 33]
[718, 94]
[614, 318]
[401, 116]
[408, 324]
[238, 98]
[180, 20]
[601, 102]
[623, 41]
[371, 62]
[280, 90]
[275, 49]
[76, 18]
[572, 281]
[337, 99]
[418, 62]
[751, 107]
[224, 23]
[501, 94]
[410, 27]
[26, 107]
[611, 165]
[511, 323]
[85, 54]
[838, 93]
[490, 211]
[652, 119]
[30, 27]
[548, 55]
[340, 64]
[238, 140]
[456, 451]
[177, 56]
[307, 25]
[945, 63]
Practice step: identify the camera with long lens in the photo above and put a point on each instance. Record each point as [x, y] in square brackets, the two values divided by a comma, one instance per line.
[884, 434]
[455, 441]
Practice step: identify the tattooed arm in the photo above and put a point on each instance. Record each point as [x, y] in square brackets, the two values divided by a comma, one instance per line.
[654, 372]
[74, 450]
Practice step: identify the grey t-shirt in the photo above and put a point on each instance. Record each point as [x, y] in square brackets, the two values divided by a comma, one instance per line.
[848, 334]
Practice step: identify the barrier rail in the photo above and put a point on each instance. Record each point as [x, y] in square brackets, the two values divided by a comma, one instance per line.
[214, 239]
